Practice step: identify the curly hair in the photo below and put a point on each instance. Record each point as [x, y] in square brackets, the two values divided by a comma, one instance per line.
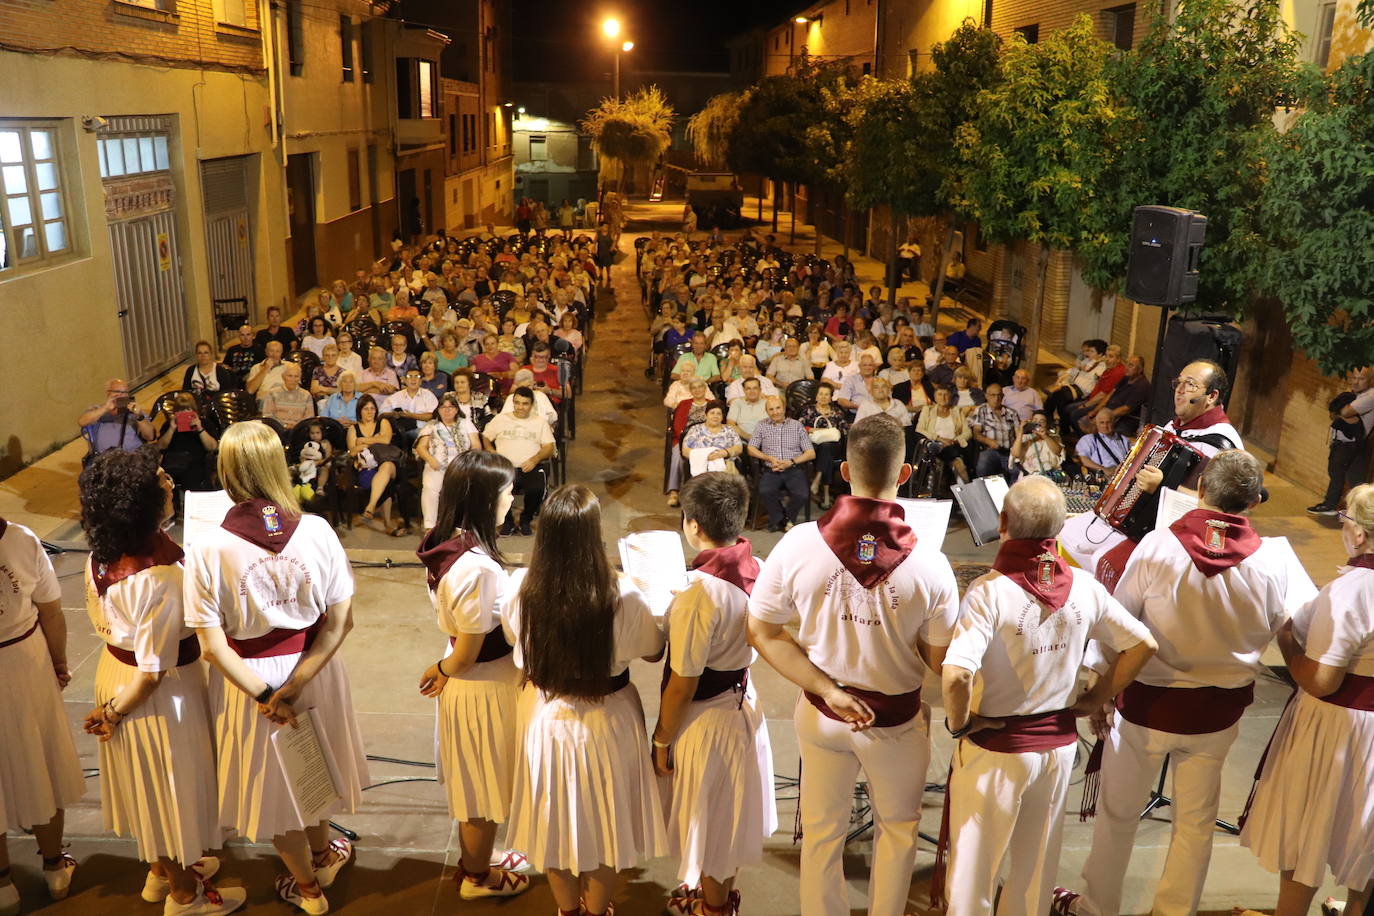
[122, 502]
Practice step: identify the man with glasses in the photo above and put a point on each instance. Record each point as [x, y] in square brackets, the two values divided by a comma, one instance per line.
[413, 402]
[117, 423]
[995, 427]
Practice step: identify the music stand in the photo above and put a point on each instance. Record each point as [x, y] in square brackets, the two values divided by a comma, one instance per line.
[980, 504]
[1159, 800]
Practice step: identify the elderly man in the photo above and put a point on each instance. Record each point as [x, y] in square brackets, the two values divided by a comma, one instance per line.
[857, 388]
[540, 333]
[289, 404]
[1213, 593]
[1022, 632]
[875, 617]
[117, 423]
[935, 353]
[1104, 448]
[1126, 399]
[788, 366]
[698, 362]
[411, 402]
[265, 377]
[241, 357]
[942, 376]
[1021, 397]
[748, 369]
[782, 447]
[995, 427]
[378, 379]
[748, 410]
[526, 441]
[880, 400]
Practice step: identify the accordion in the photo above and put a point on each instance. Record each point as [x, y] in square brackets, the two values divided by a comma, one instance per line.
[1128, 508]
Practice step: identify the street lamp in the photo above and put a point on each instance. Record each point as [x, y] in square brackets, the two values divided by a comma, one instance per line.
[610, 28]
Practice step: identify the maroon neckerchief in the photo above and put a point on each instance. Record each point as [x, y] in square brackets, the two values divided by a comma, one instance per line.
[159, 551]
[1209, 417]
[262, 523]
[1112, 563]
[1364, 560]
[1215, 541]
[735, 564]
[440, 557]
[1037, 567]
[869, 536]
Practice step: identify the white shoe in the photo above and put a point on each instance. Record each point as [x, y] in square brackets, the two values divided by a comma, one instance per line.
[156, 889]
[9, 900]
[510, 860]
[497, 883]
[210, 901]
[337, 854]
[290, 891]
[60, 879]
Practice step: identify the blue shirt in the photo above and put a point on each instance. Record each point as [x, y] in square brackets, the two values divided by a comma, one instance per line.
[337, 409]
[962, 341]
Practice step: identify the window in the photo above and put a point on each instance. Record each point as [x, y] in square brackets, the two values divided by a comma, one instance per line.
[162, 6]
[355, 181]
[295, 36]
[1120, 25]
[539, 148]
[346, 43]
[417, 88]
[33, 220]
[1029, 32]
[987, 14]
[452, 135]
[132, 154]
[1321, 47]
[365, 46]
[232, 12]
[427, 87]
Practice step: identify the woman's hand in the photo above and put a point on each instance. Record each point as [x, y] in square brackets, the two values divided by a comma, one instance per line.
[96, 724]
[432, 681]
[663, 760]
[64, 676]
[278, 708]
[719, 453]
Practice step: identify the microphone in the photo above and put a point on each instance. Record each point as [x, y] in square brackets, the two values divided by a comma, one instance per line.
[1201, 397]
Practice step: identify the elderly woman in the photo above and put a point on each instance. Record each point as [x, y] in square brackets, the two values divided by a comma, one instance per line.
[348, 357]
[720, 442]
[826, 424]
[325, 379]
[441, 440]
[895, 373]
[967, 396]
[945, 433]
[399, 358]
[1313, 808]
[432, 378]
[511, 342]
[342, 405]
[689, 410]
[473, 405]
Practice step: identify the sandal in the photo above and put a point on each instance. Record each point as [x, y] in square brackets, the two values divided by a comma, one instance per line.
[369, 514]
[401, 531]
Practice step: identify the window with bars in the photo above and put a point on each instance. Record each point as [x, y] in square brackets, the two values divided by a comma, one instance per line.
[295, 36]
[346, 45]
[1321, 45]
[132, 154]
[34, 224]
[355, 181]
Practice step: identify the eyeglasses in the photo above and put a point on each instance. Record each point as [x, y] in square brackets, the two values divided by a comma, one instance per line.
[1341, 514]
[1186, 384]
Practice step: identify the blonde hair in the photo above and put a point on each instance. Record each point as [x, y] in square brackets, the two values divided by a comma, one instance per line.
[252, 465]
[1359, 505]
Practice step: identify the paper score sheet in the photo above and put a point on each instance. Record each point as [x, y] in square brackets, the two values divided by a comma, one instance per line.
[301, 752]
[655, 563]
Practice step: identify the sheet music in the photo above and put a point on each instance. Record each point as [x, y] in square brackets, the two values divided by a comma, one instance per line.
[997, 489]
[203, 511]
[929, 518]
[300, 751]
[1173, 505]
[656, 564]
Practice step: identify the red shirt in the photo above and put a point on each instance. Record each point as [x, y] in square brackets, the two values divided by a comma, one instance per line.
[1109, 380]
[549, 376]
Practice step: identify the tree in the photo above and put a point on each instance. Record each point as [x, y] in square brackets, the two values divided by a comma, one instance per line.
[712, 129]
[1202, 90]
[1318, 209]
[634, 130]
[1033, 157]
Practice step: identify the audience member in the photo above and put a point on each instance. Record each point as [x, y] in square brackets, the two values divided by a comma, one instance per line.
[265, 377]
[289, 404]
[275, 331]
[747, 410]
[1021, 397]
[118, 423]
[206, 374]
[241, 357]
[995, 427]
[1103, 449]
[525, 440]
[783, 448]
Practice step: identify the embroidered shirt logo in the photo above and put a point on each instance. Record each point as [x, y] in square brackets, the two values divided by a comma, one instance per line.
[868, 548]
[1046, 573]
[271, 519]
[1214, 540]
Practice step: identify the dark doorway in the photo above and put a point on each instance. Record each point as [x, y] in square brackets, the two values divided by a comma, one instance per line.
[405, 202]
[428, 199]
[300, 197]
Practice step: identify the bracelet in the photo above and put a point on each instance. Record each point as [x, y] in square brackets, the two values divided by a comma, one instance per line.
[111, 711]
[961, 732]
[440, 665]
[265, 695]
[661, 745]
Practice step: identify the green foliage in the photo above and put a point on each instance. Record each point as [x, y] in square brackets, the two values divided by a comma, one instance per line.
[1032, 159]
[1318, 210]
[712, 129]
[1198, 98]
[633, 130]
[788, 127]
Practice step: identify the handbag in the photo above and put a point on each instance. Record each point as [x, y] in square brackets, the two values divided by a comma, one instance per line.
[822, 435]
[385, 451]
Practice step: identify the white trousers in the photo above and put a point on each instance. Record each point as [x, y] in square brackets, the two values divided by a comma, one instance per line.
[1130, 768]
[1005, 805]
[894, 761]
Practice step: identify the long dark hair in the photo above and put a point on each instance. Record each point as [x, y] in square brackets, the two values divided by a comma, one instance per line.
[568, 599]
[122, 502]
[472, 484]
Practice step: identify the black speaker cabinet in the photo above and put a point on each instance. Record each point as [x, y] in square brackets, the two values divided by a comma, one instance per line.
[1188, 339]
[1165, 245]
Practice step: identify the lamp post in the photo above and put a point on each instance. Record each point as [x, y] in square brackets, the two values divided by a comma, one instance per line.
[610, 28]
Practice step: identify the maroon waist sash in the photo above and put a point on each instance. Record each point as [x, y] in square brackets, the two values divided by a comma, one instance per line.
[888, 709]
[619, 682]
[494, 646]
[1041, 731]
[20, 638]
[1184, 710]
[277, 642]
[188, 650]
[1355, 692]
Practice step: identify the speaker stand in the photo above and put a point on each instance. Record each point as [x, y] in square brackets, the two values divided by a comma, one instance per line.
[1159, 800]
[1159, 360]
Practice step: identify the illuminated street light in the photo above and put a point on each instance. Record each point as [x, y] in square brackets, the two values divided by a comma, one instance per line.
[628, 46]
[801, 20]
[610, 27]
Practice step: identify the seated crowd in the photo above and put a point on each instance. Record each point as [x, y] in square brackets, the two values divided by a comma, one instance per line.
[379, 382]
[750, 338]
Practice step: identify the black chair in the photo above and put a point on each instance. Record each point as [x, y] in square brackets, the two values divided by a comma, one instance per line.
[232, 407]
[392, 328]
[800, 395]
[308, 361]
[230, 314]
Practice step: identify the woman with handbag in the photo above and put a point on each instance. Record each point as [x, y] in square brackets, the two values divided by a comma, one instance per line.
[826, 423]
[375, 458]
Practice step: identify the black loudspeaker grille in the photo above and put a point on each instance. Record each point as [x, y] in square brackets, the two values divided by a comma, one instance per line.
[1186, 340]
[1165, 245]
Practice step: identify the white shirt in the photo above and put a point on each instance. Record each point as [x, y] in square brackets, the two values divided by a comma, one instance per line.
[894, 409]
[271, 381]
[1337, 627]
[1222, 429]
[542, 406]
[142, 614]
[248, 591]
[316, 345]
[1364, 406]
[634, 632]
[1024, 402]
[707, 626]
[352, 362]
[471, 595]
[518, 440]
[863, 638]
[837, 373]
[26, 579]
[1211, 630]
[422, 401]
[932, 357]
[1025, 664]
[736, 388]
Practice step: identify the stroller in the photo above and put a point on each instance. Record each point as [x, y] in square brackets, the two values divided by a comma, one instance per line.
[1004, 350]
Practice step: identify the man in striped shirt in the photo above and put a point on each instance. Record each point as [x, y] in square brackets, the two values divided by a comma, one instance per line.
[781, 446]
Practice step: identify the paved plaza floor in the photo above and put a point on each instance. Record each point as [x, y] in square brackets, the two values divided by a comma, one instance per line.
[407, 844]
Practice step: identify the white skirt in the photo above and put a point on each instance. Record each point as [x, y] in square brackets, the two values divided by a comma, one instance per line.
[254, 797]
[39, 769]
[475, 740]
[1314, 806]
[157, 773]
[721, 805]
[585, 793]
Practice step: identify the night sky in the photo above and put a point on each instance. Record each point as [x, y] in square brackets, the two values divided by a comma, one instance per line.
[559, 40]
